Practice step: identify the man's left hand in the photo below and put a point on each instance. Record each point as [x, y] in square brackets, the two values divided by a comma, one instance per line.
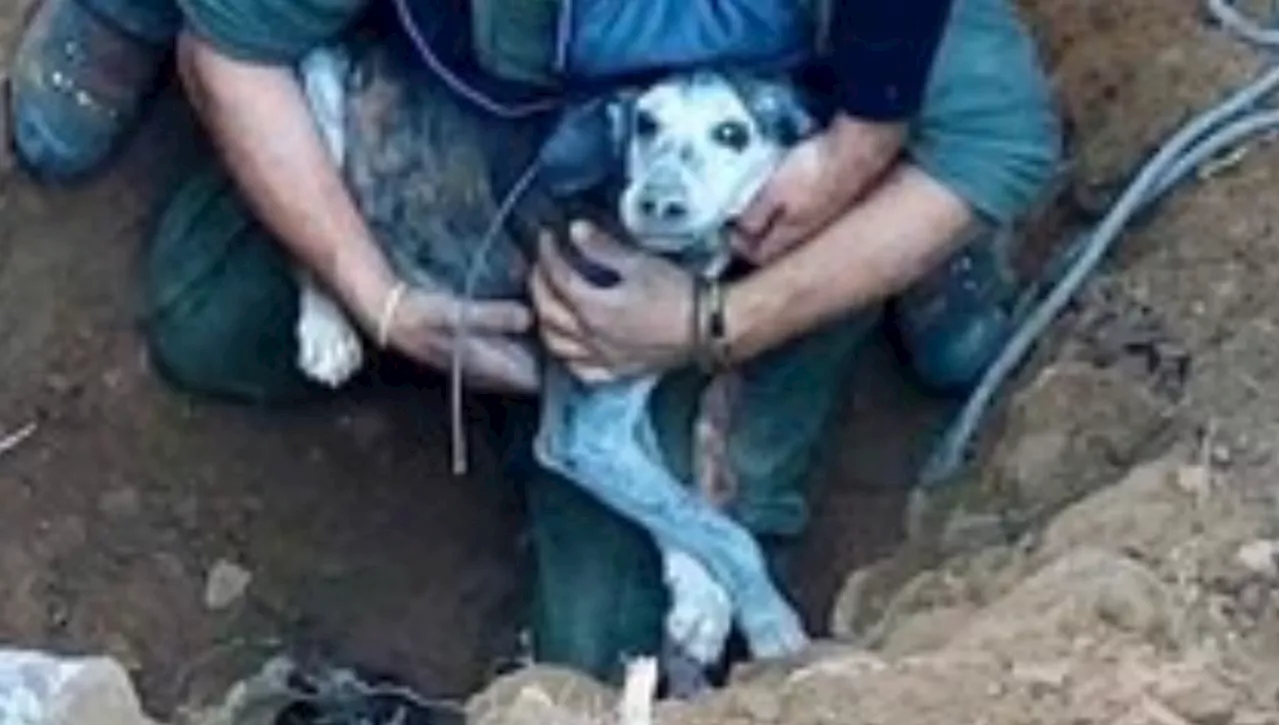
[641, 324]
[818, 180]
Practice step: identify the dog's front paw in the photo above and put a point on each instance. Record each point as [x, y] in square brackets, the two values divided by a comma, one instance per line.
[329, 348]
[701, 614]
[773, 630]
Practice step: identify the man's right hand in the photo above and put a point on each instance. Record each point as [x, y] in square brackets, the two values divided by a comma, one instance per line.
[423, 325]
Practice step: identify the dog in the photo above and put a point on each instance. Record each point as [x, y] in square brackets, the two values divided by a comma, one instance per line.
[693, 149]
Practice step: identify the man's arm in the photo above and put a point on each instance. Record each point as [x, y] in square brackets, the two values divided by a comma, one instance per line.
[904, 228]
[880, 55]
[879, 58]
[259, 118]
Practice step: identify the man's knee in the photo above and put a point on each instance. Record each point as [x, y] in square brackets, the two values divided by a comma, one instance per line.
[600, 596]
[203, 349]
[787, 402]
[989, 130]
[221, 298]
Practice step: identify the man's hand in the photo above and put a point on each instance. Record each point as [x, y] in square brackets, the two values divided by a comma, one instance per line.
[817, 181]
[423, 326]
[642, 324]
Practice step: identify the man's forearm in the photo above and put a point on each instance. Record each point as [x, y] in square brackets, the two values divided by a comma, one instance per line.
[894, 236]
[260, 121]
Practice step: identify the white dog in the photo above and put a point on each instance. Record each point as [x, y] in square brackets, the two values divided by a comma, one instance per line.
[696, 148]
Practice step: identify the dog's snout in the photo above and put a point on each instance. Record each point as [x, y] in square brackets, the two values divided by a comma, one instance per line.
[667, 208]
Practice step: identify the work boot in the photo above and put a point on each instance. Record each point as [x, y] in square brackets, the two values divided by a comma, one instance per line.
[81, 78]
[955, 322]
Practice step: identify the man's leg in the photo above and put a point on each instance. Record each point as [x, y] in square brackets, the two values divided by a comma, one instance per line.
[221, 298]
[80, 78]
[989, 133]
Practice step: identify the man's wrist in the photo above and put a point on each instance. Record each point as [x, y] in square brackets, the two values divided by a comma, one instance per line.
[711, 347]
[746, 316]
[364, 285]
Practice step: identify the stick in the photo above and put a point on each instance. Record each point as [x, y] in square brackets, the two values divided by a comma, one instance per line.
[16, 438]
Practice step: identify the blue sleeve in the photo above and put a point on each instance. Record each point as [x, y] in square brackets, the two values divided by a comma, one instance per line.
[880, 53]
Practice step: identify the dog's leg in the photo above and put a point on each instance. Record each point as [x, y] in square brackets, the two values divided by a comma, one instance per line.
[713, 471]
[594, 437]
[329, 348]
[700, 617]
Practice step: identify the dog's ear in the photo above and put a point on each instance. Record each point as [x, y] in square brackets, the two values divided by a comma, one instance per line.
[587, 147]
[778, 107]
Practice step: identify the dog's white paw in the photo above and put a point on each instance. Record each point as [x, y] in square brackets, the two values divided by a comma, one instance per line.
[329, 348]
[773, 630]
[701, 613]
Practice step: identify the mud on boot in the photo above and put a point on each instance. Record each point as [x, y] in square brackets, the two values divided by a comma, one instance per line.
[954, 322]
[80, 80]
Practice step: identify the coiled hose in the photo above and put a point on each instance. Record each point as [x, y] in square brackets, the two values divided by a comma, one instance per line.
[1237, 118]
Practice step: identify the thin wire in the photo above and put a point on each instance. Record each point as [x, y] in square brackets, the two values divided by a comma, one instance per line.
[461, 330]
[1197, 140]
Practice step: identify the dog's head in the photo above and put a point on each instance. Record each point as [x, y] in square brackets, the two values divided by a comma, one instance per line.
[696, 149]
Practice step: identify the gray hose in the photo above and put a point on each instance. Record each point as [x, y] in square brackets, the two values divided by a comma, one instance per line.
[1206, 135]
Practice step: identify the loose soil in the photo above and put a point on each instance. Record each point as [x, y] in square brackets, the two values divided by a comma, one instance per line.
[362, 547]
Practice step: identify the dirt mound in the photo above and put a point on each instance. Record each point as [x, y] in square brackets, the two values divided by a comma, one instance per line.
[1151, 601]
[1113, 561]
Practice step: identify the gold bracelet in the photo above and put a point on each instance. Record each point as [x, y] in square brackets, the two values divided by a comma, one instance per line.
[387, 316]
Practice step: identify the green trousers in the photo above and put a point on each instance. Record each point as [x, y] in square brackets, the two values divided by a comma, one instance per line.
[221, 307]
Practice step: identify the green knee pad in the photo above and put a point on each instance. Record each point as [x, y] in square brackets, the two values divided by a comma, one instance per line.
[221, 299]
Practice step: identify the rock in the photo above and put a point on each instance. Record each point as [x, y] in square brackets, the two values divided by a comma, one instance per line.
[1072, 430]
[542, 695]
[1052, 675]
[41, 689]
[1195, 693]
[120, 503]
[1259, 557]
[225, 585]
[1084, 592]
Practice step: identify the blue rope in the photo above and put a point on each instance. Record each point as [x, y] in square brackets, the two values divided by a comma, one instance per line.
[1220, 127]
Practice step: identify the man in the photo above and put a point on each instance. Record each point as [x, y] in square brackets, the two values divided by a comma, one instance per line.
[943, 133]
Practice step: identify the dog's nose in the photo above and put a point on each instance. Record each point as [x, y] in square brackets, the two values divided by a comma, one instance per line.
[667, 210]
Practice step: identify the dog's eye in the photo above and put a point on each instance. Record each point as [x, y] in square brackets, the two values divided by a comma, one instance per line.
[646, 126]
[733, 134]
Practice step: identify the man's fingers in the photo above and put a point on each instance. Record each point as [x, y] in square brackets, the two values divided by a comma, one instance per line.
[496, 317]
[780, 240]
[557, 275]
[565, 347]
[760, 214]
[553, 311]
[501, 365]
[590, 373]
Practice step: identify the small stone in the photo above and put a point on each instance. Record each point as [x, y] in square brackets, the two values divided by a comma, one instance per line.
[1050, 674]
[1220, 455]
[226, 584]
[1259, 557]
[758, 706]
[1194, 480]
[120, 503]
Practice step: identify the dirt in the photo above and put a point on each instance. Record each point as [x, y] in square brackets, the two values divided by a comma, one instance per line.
[1112, 557]
[1065, 581]
[360, 545]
